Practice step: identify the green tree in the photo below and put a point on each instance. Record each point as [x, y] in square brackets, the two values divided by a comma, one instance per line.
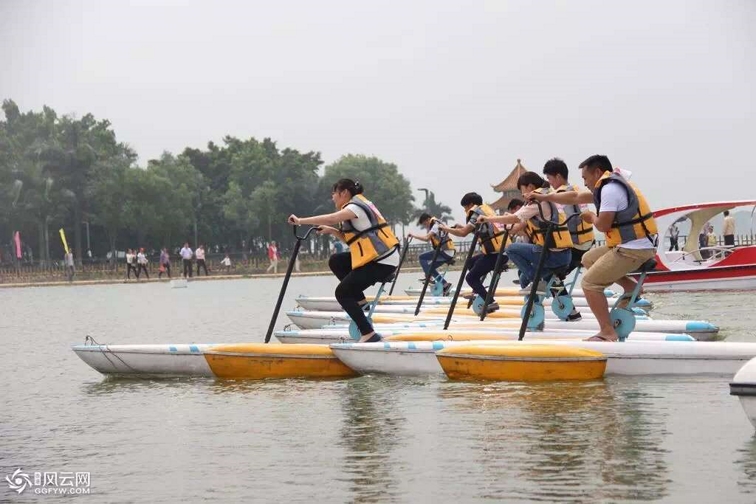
[383, 184]
[434, 208]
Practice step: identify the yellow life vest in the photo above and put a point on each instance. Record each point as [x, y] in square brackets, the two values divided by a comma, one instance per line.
[634, 222]
[536, 228]
[580, 231]
[446, 241]
[491, 235]
[372, 243]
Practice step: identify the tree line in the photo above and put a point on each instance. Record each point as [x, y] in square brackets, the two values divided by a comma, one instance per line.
[74, 173]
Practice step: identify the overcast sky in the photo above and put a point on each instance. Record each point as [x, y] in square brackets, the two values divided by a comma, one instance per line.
[452, 92]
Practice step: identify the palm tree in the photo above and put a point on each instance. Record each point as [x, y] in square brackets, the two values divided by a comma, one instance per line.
[430, 206]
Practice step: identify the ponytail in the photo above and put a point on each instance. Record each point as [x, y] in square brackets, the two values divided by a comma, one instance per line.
[532, 178]
[354, 187]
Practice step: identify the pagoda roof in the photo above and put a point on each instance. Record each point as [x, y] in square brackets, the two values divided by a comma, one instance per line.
[510, 183]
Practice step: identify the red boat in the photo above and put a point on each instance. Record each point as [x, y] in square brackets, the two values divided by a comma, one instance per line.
[693, 267]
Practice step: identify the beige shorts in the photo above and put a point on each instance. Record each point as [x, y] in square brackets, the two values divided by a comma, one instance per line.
[607, 265]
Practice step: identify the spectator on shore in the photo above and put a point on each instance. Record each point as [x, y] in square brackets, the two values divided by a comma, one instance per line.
[165, 263]
[273, 257]
[70, 271]
[142, 264]
[131, 264]
[186, 258]
[200, 255]
[226, 262]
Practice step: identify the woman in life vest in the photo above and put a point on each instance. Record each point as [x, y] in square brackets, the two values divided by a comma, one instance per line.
[373, 249]
[528, 220]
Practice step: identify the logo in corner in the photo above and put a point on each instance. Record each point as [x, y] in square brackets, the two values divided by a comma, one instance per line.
[18, 481]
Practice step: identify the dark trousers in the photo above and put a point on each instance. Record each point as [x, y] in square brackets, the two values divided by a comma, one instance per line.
[480, 266]
[729, 240]
[350, 290]
[187, 267]
[427, 257]
[201, 262]
[140, 268]
[673, 245]
[129, 269]
[167, 267]
[575, 262]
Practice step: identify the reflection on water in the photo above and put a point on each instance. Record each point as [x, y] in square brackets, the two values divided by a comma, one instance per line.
[370, 429]
[573, 441]
[368, 439]
[746, 462]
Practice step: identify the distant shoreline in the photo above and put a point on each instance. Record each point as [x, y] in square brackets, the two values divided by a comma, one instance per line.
[109, 281]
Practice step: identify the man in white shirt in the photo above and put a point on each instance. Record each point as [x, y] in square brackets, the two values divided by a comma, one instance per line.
[186, 258]
[631, 235]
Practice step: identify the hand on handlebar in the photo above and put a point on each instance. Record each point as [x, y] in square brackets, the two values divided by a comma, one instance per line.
[535, 196]
[293, 220]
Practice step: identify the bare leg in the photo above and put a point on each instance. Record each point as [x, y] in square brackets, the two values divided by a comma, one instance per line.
[600, 308]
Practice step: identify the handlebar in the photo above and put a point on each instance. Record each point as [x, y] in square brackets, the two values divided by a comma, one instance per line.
[306, 235]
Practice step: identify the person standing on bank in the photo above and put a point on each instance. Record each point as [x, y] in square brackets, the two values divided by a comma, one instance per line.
[273, 256]
[142, 264]
[186, 258]
[70, 271]
[373, 249]
[131, 264]
[165, 263]
[200, 254]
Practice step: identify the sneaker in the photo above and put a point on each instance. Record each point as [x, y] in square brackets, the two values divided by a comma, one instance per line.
[540, 327]
[492, 307]
[574, 316]
[365, 307]
[375, 338]
[447, 289]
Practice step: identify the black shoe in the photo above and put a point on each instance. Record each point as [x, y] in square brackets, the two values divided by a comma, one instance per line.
[574, 316]
[447, 289]
[492, 307]
[375, 338]
[365, 307]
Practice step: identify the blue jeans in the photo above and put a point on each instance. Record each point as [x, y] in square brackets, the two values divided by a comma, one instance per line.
[526, 257]
[427, 257]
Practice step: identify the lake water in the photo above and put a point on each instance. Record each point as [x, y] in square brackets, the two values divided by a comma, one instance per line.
[369, 439]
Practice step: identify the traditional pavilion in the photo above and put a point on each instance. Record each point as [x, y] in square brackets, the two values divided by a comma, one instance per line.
[508, 188]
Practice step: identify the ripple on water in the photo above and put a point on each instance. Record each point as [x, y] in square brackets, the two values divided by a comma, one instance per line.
[369, 439]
